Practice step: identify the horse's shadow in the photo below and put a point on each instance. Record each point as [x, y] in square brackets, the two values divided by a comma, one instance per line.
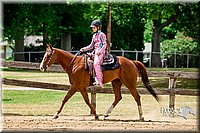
[127, 120]
[133, 120]
[108, 119]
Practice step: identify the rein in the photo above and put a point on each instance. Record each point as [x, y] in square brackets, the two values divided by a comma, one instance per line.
[68, 69]
[69, 66]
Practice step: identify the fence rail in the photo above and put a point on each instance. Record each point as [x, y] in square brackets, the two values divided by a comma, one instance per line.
[107, 90]
[168, 59]
[171, 91]
[58, 68]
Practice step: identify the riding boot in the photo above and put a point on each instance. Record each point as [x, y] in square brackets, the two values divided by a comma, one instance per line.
[98, 82]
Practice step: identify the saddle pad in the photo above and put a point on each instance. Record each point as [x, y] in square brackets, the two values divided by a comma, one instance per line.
[113, 63]
[110, 66]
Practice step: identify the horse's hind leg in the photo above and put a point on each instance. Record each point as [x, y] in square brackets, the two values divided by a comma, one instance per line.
[116, 89]
[85, 96]
[136, 96]
[70, 93]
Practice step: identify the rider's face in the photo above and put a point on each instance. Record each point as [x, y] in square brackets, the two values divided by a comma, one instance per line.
[94, 29]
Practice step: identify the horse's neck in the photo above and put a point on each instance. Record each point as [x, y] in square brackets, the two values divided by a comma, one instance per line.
[64, 58]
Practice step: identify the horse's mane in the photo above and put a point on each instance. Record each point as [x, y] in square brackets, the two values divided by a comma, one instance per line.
[64, 52]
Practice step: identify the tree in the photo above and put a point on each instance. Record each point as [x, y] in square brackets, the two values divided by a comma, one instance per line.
[188, 22]
[15, 25]
[184, 17]
[162, 15]
[181, 44]
[49, 20]
[127, 24]
[73, 24]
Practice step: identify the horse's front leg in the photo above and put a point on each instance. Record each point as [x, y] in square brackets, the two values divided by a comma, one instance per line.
[85, 96]
[70, 93]
[116, 89]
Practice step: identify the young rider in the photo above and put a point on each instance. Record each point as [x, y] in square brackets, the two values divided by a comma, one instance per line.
[99, 45]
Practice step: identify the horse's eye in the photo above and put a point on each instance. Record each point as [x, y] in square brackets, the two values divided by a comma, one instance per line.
[49, 53]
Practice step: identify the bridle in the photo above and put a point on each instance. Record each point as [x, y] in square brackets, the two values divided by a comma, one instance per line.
[49, 57]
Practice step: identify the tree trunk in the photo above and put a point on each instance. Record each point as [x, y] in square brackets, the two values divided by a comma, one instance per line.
[155, 56]
[45, 35]
[66, 41]
[156, 35]
[109, 28]
[19, 46]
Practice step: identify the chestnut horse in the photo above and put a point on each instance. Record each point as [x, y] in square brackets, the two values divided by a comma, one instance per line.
[79, 78]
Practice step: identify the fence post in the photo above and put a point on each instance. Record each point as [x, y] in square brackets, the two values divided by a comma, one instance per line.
[150, 59]
[29, 56]
[172, 85]
[136, 55]
[188, 60]
[93, 97]
[122, 52]
[1, 107]
[4, 47]
[174, 59]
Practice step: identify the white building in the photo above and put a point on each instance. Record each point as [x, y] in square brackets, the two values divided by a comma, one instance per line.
[28, 41]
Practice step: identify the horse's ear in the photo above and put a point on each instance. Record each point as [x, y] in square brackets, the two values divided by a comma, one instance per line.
[49, 45]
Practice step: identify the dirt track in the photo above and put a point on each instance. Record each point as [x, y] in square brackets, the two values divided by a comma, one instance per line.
[87, 123]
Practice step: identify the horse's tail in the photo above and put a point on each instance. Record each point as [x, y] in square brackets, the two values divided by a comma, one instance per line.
[145, 79]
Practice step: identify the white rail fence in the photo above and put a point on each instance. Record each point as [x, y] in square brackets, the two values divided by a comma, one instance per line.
[168, 59]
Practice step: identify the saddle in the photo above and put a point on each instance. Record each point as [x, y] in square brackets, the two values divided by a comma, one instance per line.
[110, 62]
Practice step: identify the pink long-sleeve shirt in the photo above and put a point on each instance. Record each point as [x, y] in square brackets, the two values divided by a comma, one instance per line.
[98, 43]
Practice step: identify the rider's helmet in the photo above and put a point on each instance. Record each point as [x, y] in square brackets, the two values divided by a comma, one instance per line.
[96, 23]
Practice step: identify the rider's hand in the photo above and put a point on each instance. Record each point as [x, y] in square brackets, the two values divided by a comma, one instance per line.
[98, 53]
[81, 50]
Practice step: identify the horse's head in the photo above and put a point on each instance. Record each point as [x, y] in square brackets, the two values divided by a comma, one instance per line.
[49, 58]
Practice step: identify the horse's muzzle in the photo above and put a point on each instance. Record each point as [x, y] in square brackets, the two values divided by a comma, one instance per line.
[42, 68]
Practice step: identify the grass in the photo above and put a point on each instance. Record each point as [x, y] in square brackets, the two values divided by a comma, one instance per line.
[27, 97]
[46, 103]
[38, 76]
[174, 69]
[62, 78]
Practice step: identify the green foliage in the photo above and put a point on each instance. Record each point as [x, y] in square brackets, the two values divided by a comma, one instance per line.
[128, 26]
[148, 31]
[167, 33]
[131, 22]
[188, 21]
[56, 19]
[180, 44]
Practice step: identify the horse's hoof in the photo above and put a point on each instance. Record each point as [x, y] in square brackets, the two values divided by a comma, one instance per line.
[106, 115]
[97, 117]
[55, 116]
[141, 119]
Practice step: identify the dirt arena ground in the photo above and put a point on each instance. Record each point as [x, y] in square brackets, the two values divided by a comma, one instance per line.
[86, 123]
[89, 124]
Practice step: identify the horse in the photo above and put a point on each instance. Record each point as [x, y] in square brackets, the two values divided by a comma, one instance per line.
[79, 77]
[184, 111]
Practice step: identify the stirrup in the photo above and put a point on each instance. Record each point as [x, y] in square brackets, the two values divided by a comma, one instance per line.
[96, 83]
